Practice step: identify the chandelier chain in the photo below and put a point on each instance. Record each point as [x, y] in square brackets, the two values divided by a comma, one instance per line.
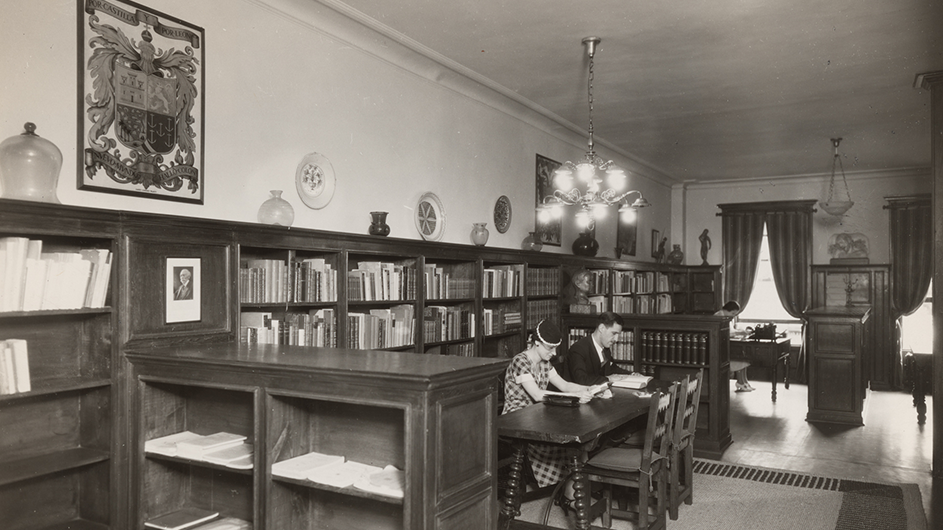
[590, 92]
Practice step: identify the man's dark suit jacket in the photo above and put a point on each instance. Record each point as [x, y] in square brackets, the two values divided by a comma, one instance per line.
[583, 363]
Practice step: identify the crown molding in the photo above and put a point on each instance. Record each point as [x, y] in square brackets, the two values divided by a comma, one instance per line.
[809, 178]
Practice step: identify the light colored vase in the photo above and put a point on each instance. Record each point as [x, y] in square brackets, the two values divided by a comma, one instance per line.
[29, 167]
[479, 234]
[532, 242]
[276, 210]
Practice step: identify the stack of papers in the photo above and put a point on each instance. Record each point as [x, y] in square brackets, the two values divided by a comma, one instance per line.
[634, 381]
[181, 519]
[237, 456]
[167, 445]
[389, 481]
[198, 448]
[300, 466]
[221, 448]
[342, 475]
[226, 523]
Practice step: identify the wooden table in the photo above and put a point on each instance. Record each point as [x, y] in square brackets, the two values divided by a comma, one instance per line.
[579, 428]
[763, 352]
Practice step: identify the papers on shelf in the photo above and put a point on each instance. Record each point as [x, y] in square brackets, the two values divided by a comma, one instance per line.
[342, 475]
[167, 445]
[221, 448]
[181, 519]
[226, 523]
[198, 448]
[633, 381]
[389, 481]
[237, 456]
[300, 466]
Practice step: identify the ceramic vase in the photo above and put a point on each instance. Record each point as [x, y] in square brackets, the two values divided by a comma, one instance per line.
[378, 226]
[675, 257]
[276, 210]
[532, 242]
[585, 245]
[29, 167]
[479, 234]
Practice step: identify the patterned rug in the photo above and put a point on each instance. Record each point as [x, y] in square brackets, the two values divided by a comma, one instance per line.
[731, 496]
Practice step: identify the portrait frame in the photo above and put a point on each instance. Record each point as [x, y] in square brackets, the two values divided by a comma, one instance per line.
[140, 102]
[550, 232]
[656, 238]
[627, 233]
[182, 305]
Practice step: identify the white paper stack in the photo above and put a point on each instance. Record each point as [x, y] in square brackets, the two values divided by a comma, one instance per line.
[389, 481]
[237, 456]
[198, 448]
[300, 466]
[167, 445]
[342, 475]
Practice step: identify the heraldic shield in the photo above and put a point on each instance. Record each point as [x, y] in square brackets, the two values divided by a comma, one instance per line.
[146, 109]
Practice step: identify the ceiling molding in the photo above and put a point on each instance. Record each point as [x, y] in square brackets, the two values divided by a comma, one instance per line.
[884, 174]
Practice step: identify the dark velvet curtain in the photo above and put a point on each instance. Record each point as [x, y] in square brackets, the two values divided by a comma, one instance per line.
[742, 237]
[911, 241]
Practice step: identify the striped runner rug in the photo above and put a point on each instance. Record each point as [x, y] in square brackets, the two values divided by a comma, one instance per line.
[733, 497]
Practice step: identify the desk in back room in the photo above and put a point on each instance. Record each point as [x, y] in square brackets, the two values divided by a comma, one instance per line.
[764, 352]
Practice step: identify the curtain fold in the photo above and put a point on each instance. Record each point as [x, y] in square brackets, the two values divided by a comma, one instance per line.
[911, 242]
[790, 256]
[742, 237]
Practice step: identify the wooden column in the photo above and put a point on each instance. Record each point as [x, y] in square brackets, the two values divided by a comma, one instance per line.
[933, 81]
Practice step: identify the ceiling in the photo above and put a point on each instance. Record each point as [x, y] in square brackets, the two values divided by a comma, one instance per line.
[704, 90]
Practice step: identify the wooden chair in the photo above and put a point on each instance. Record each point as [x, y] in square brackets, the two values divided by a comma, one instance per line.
[681, 450]
[644, 469]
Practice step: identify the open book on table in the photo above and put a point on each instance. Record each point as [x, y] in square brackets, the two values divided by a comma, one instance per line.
[634, 381]
[574, 398]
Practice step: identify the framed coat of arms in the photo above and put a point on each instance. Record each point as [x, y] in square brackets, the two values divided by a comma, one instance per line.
[141, 102]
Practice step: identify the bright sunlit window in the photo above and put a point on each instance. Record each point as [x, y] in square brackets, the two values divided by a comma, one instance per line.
[916, 330]
[764, 305]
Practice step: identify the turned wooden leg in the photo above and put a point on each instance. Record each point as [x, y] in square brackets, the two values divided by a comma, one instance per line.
[513, 494]
[581, 493]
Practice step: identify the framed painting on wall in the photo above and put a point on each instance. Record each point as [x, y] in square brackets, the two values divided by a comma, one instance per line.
[141, 126]
[548, 232]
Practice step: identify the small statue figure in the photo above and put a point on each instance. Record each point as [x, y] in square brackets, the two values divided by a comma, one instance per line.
[659, 254]
[577, 292]
[705, 246]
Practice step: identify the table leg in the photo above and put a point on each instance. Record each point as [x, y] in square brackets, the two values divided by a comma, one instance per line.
[513, 493]
[581, 493]
[788, 355]
[775, 377]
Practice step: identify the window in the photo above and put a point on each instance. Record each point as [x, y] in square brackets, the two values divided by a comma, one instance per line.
[764, 305]
[916, 330]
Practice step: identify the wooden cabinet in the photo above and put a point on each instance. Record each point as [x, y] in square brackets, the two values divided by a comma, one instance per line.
[836, 339]
[430, 415]
[57, 440]
[864, 286]
[670, 347]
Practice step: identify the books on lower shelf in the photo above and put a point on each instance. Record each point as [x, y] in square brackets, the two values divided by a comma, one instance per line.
[14, 367]
[337, 471]
[299, 466]
[226, 523]
[181, 519]
[389, 481]
[237, 456]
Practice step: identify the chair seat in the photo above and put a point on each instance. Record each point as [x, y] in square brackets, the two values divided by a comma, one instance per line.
[624, 459]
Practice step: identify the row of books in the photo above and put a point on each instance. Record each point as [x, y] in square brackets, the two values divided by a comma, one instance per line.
[448, 283]
[441, 323]
[32, 279]
[382, 328]
[223, 448]
[14, 367]
[500, 320]
[538, 310]
[599, 281]
[543, 282]
[275, 281]
[196, 519]
[317, 327]
[622, 349]
[462, 349]
[381, 280]
[338, 472]
[674, 347]
[502, 281]
[643, 304]
[640, 282]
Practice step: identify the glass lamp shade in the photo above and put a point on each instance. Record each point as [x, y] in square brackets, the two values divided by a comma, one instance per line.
[836, 208]
[276, 210]
[29, 167]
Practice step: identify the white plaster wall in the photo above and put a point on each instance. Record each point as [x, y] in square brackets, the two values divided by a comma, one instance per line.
[288, 77]
[867, 216]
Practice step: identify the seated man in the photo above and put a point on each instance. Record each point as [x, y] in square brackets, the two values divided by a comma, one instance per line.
[589, 360]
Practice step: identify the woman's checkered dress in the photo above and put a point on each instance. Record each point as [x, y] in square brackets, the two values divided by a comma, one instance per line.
[549, 462]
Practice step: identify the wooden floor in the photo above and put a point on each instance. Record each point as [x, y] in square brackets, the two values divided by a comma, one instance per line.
[890, 447]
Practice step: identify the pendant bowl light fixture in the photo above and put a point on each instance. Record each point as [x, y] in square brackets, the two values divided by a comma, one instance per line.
[589, 174]
[831, 204]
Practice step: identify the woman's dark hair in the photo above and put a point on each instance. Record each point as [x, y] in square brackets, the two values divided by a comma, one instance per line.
[732, 305]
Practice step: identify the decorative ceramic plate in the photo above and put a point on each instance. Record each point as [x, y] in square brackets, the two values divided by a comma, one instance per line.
[430, 217]
[502, 214]
[314, 180]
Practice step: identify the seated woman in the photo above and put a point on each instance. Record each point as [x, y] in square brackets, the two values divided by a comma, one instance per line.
[525, 382]
[732, 309]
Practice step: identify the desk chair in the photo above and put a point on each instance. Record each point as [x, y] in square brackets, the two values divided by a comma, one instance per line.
[681, 450]
[643, 469]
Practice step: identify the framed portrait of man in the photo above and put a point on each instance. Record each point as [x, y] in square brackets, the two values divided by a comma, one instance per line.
[549, 231]
[182, 290]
